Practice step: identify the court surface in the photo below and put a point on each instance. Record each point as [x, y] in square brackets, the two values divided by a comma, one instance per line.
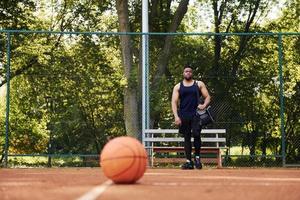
[174, 184]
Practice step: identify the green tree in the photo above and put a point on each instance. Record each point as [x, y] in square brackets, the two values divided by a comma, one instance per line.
[163, 18]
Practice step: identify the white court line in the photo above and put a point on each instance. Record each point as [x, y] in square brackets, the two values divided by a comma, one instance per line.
[229, 177]
[194, 184]
[176, 184]
[243, 178]
[96, 191]
[158, 173]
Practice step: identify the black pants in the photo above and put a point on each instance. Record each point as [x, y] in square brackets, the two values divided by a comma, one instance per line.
[189, 128]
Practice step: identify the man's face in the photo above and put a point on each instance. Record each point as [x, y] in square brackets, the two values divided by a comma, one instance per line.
[187, 74]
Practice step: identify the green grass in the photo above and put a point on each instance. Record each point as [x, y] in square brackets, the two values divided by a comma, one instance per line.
[42, 161]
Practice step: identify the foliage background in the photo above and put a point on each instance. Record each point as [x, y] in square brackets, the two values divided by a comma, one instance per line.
[76, 92]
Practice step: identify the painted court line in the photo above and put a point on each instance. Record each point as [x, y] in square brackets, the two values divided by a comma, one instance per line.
[244, 178]
[96, 191]
[213, 184]
[157, 173]
[283, 179]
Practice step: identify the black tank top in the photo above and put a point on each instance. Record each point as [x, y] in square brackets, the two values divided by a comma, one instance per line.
[188, 100]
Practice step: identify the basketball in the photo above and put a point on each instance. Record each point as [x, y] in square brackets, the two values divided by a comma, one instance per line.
[123, 160]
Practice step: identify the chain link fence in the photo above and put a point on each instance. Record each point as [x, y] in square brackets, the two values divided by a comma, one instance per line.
[66, 93]
[253, 81]
[65, 98]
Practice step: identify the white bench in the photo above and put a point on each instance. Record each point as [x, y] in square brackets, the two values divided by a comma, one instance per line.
[169, 140]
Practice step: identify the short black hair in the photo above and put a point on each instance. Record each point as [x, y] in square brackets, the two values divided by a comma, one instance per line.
[187, 66]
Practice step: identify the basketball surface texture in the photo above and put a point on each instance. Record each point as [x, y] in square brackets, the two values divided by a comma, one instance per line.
[123, 160]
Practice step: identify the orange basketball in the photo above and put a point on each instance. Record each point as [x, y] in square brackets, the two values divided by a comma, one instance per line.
[123, 160]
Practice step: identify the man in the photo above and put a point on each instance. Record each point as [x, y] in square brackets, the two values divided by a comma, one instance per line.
[186, 92]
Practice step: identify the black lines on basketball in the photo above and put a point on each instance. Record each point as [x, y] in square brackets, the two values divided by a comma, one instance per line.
[123, 160]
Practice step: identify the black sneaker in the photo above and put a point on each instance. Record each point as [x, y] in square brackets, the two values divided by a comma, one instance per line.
[188, 165]
[198, 164]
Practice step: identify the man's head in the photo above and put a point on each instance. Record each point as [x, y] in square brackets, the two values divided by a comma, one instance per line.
[187, 72]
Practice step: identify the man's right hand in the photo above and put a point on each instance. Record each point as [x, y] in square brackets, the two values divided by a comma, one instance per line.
[177, 121]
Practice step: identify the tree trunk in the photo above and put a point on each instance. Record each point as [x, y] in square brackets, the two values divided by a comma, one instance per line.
[130, 92]
[164, 56]
[252, 145]
[218, 38]
[166, 51]
[244, 39]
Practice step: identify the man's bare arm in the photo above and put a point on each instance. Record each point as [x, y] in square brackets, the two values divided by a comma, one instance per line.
[175, 98]
[205, 95]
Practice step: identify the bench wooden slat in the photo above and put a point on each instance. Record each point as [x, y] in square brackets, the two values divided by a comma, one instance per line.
[172, 131]
[180, 139]
[181, 149]
[181, 160]
[212, 144]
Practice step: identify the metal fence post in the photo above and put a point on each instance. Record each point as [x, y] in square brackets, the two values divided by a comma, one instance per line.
[281, 100]
[7, 100]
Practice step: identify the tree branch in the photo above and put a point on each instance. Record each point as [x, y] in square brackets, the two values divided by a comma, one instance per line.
[34, 60]
[244, 39]
[165, 53]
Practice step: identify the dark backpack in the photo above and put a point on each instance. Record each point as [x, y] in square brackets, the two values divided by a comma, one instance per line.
[205, 116]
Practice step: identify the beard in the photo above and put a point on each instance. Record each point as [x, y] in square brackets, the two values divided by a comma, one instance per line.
[188, 78]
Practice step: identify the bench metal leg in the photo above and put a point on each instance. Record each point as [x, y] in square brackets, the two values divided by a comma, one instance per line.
[219, 159]
[152, 159]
